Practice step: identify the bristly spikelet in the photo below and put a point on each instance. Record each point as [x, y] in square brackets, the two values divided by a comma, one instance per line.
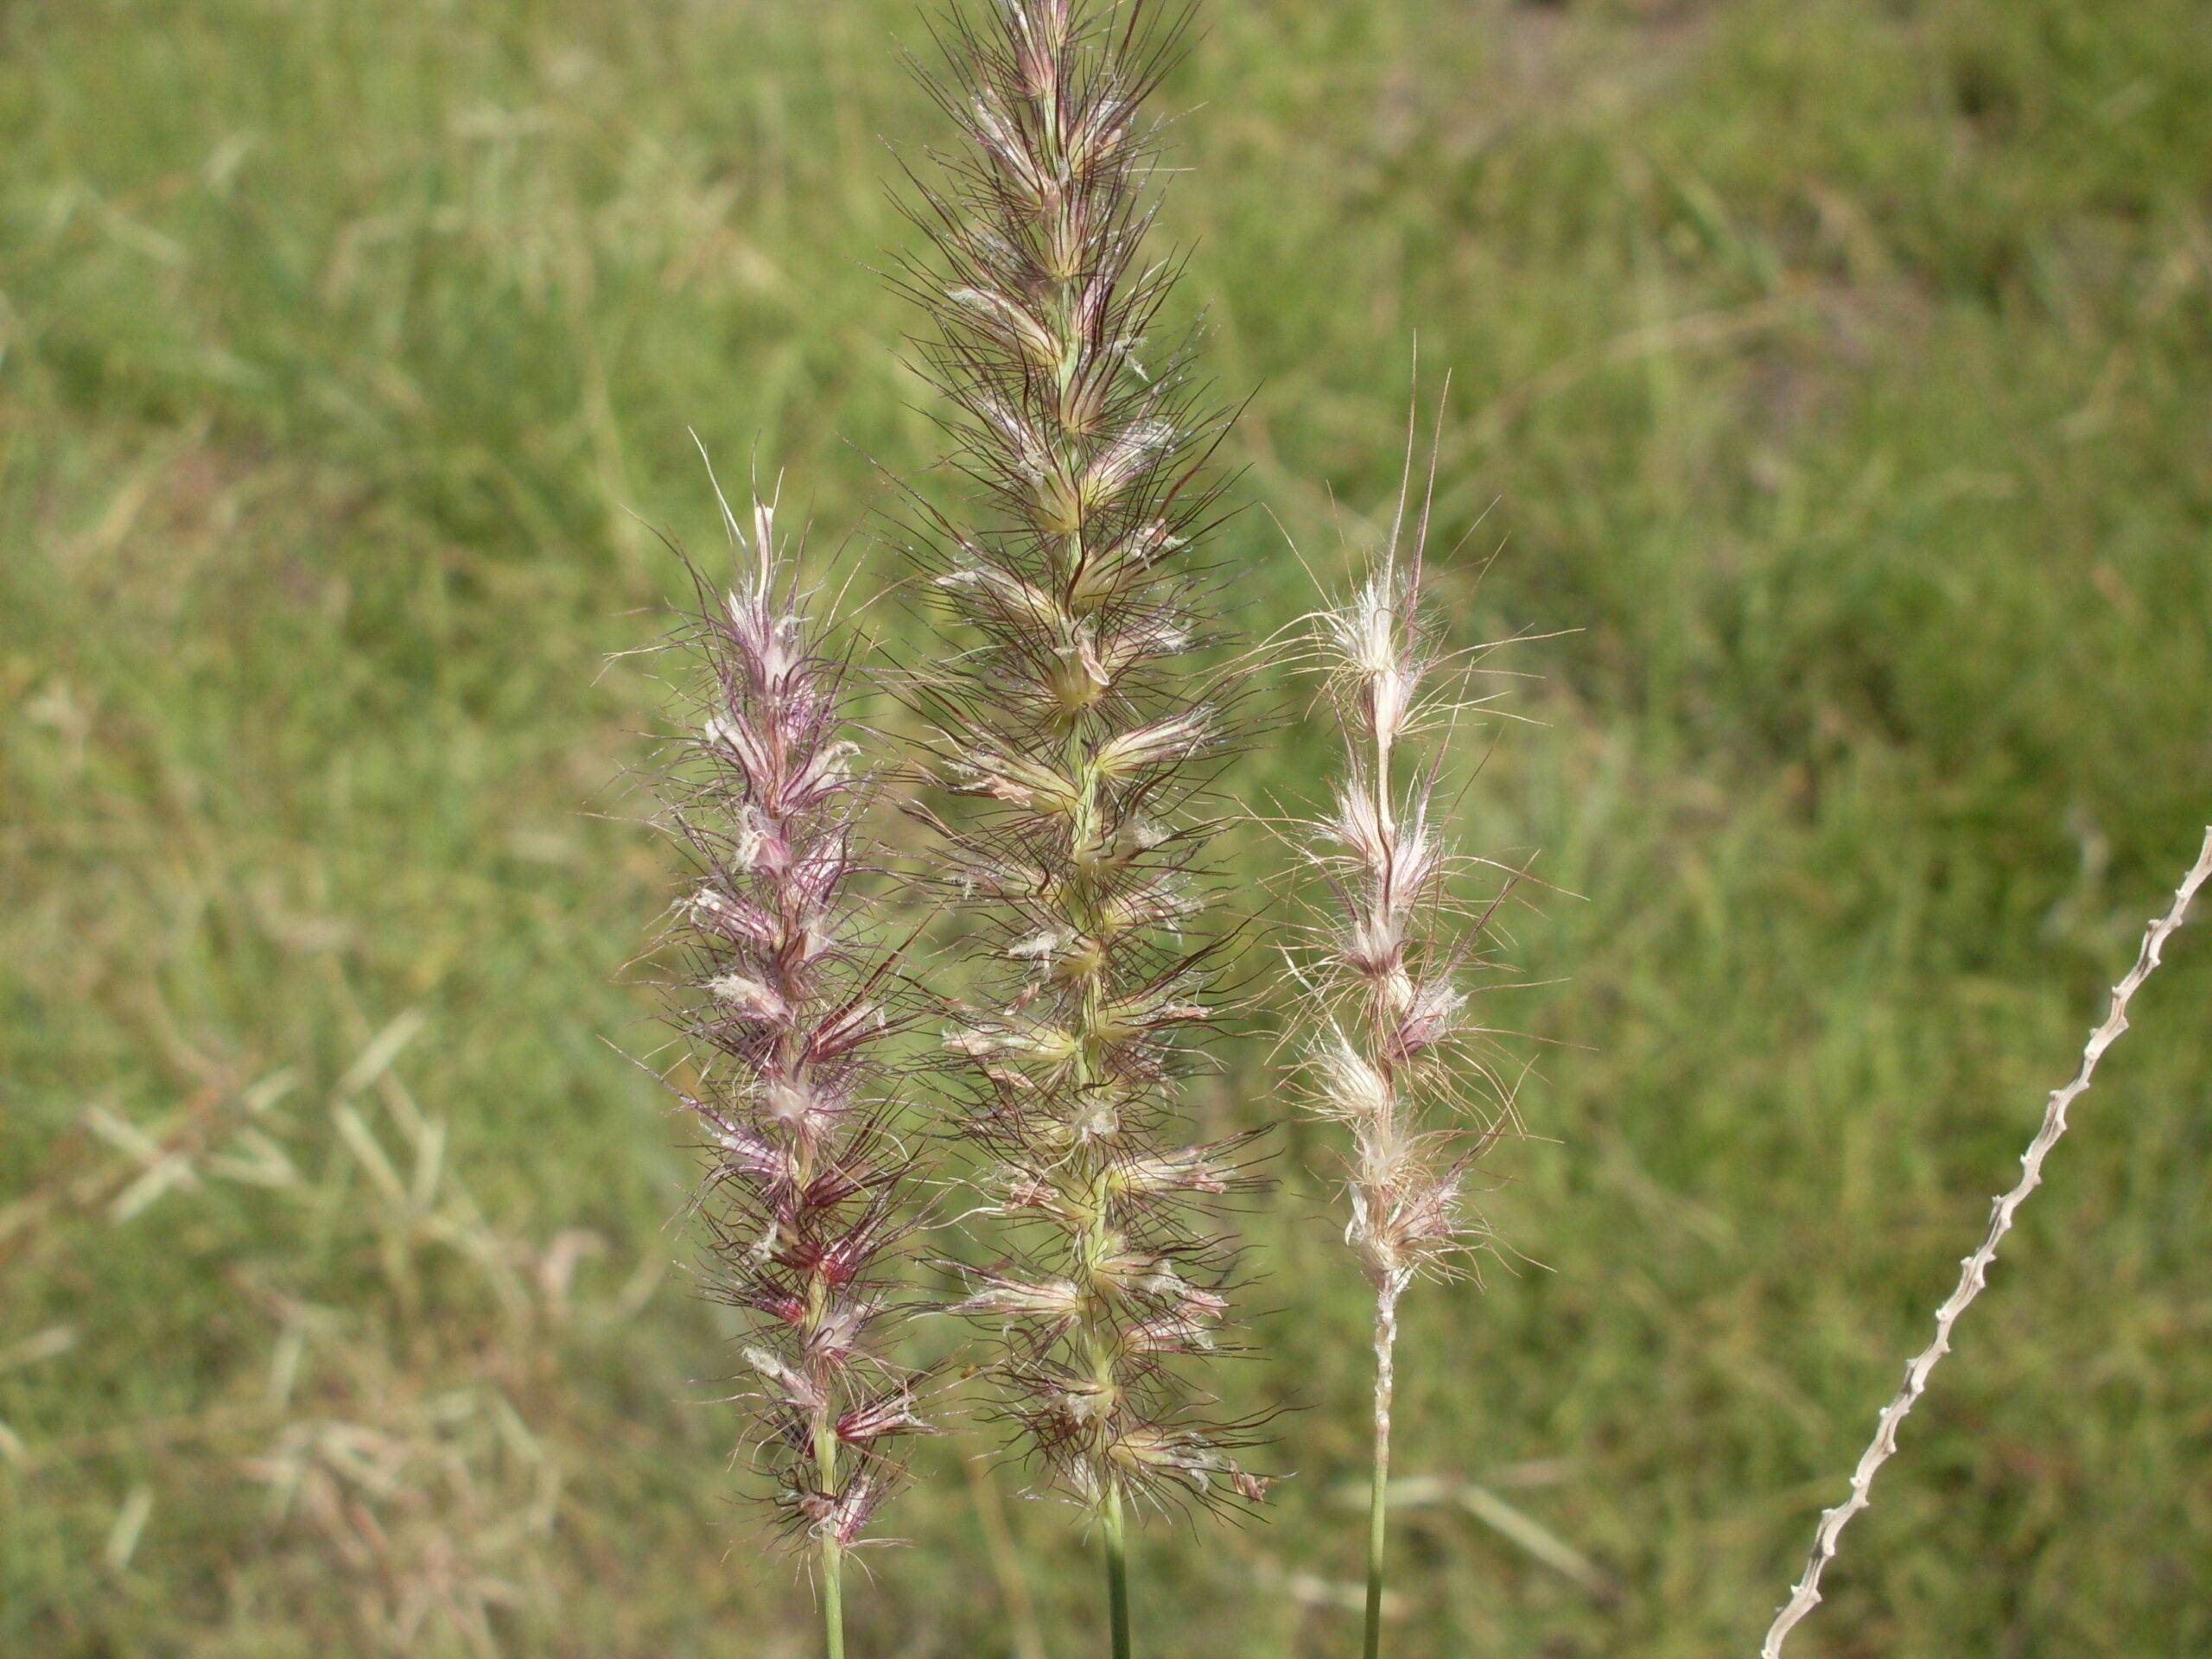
[1071, 726]
[1391, 1036]
[1389, 948]
[806, 1192]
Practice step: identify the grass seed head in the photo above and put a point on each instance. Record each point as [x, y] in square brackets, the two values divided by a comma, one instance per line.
[1071, 725]
[804, 1198]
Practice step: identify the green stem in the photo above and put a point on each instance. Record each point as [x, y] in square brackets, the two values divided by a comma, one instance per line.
[1378, 1510]
[833, 1552]
[833, 1599]
[1377, 1518]
[1117, 1574]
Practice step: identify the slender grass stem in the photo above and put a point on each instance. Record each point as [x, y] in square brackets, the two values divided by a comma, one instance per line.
[833, 1552]
[1117, 1575]
[833, 1599]
[1378, 1499]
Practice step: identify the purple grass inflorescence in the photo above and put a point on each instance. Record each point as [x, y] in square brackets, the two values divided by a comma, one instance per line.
[806, 1195]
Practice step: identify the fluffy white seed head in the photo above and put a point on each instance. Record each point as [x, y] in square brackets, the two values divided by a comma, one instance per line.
[1353, 1088]
[1372, 641]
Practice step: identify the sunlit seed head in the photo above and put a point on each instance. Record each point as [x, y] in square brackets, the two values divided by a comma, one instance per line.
[1189, 1170]
[1096, 1117]
[749, 997]
[1358, 824]
[1041, 947]
[1054, 1300]
[1374, 946]
[1430, 1016]
[1078, 682]
[1352, 1086]
[789, 1103]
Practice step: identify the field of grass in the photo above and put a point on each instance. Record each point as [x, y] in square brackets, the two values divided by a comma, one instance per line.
[1836, 377]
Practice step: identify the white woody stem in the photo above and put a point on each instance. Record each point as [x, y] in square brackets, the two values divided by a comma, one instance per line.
[1378, 1504]
[1976, 1268]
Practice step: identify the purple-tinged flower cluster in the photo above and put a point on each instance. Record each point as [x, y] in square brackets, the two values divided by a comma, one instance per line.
[806, 1194]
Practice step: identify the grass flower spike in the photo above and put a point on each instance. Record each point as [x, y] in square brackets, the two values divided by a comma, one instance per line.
[806, 1192]
[1384, 977]
[1072, 724]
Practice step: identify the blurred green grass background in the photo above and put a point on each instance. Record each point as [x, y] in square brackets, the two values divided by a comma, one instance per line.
[1837, 375]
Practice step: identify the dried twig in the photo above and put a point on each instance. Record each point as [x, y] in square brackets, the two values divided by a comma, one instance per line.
[1976, 1268]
